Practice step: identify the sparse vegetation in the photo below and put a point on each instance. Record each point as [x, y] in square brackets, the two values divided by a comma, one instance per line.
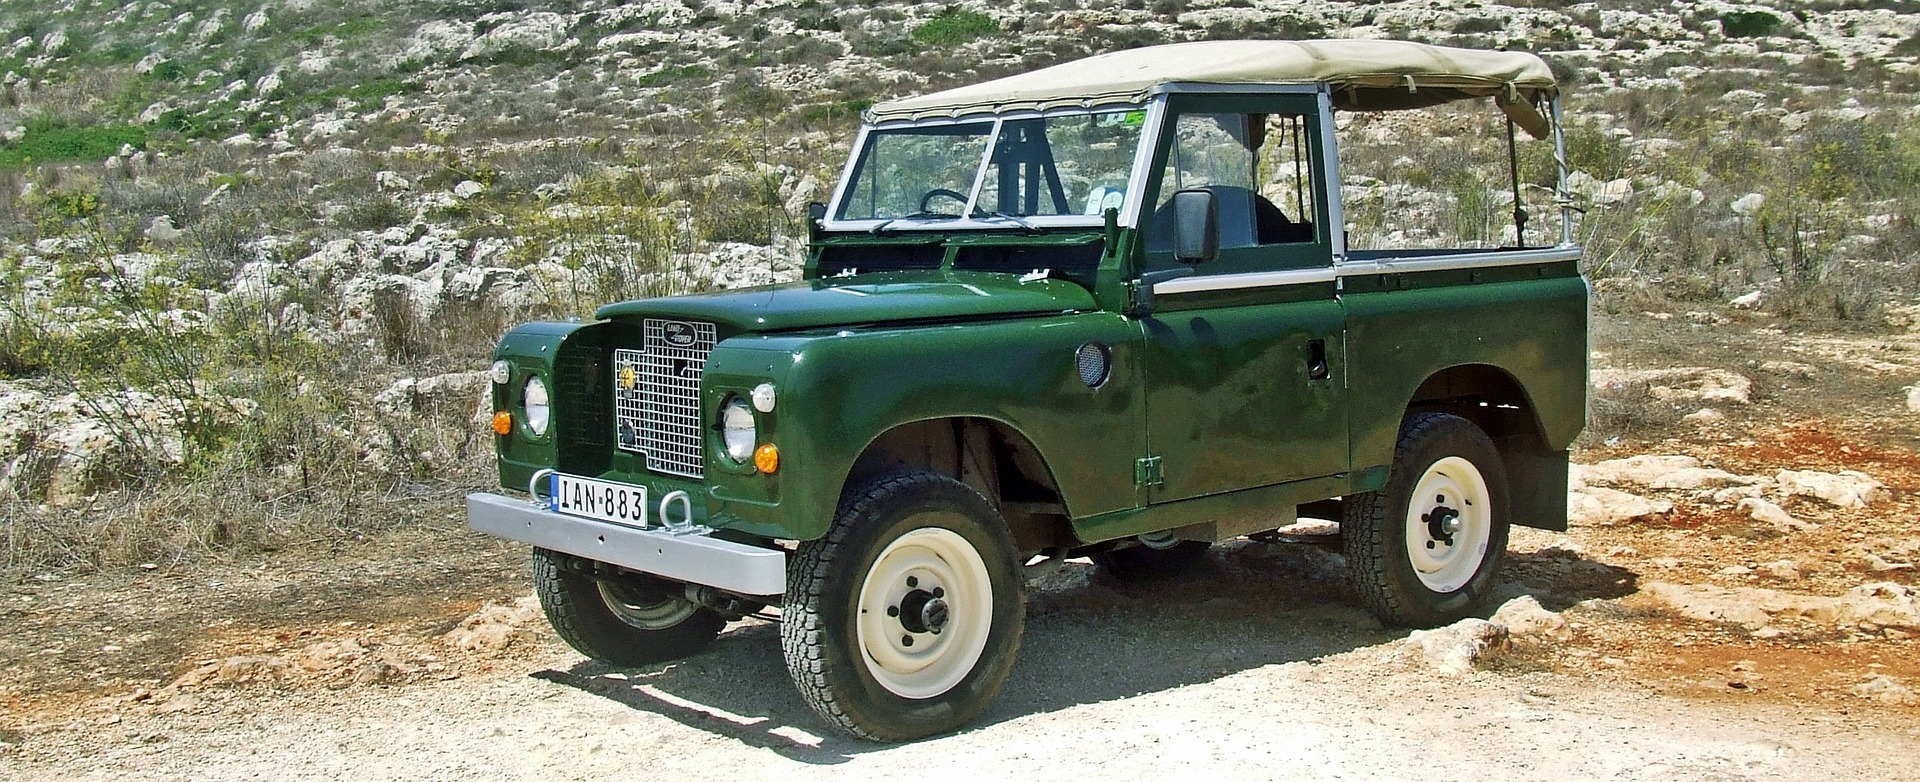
[955, 26]
[325, 198]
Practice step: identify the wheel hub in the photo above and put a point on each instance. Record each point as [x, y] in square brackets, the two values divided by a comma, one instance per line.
[1442, 523]
[923, 611]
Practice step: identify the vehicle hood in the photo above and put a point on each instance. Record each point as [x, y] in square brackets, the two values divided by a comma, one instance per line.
[867, 298]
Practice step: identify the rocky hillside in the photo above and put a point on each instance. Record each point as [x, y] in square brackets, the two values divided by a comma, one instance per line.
[248, 248]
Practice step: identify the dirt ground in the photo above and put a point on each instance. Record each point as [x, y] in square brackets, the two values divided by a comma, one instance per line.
[421, 656]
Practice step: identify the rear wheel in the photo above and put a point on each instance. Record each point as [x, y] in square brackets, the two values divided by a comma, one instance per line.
[1423, 550]
[905, 619]
[620, 619]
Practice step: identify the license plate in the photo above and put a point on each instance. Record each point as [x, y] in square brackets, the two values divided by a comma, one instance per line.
[619, 503]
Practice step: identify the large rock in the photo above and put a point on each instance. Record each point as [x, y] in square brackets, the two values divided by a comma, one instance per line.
[495, 627]
[1845, 489]
[1456, 648]
[1661, 472]
[468, 393]
[1601, 506]
[1773, 515]
[1869, 606]
[1526, 620]
[1688, 384]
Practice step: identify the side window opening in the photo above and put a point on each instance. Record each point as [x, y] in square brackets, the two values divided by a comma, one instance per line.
[1438, 179]
[1258, 167]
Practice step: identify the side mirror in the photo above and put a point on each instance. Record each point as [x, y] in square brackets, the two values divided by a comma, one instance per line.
[1196, 227]
[816, 212]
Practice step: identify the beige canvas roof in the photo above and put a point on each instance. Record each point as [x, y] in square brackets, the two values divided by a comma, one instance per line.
[1366, 75]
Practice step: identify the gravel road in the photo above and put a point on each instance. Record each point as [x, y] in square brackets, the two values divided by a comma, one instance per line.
[1258, 671]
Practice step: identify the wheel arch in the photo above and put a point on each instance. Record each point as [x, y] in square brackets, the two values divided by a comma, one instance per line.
[1499, 403]
[991, 456]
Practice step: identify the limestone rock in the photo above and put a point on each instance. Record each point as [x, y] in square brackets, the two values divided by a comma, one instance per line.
[1878, 605]
[1681, 384]
[1661, 472]
[1601, 506]
[1886, 689]
[1845, 489]
[1525, 619]
[494, 627]
[1773, 515]
[1456, 648]
[465, 392]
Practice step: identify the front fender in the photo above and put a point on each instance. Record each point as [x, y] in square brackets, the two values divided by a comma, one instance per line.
[839, 391]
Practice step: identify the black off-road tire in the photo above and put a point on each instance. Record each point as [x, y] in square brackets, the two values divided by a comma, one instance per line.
[1377, 525]
[957, 536]
[1142, 564]
[578, 607]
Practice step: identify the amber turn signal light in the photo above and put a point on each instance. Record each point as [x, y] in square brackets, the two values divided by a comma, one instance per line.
[766, 458]
[503, 423]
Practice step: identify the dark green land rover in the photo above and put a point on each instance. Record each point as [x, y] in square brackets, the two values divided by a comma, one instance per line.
[1103, 309]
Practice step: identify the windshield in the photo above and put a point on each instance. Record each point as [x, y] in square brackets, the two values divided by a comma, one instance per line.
[1065, 165]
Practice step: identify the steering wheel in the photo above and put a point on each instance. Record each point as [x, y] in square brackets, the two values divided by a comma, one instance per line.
[926, 201]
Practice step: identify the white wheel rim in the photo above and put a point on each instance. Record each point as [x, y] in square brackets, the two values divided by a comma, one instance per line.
[635, 609]
[1449, 521]
[896, 639]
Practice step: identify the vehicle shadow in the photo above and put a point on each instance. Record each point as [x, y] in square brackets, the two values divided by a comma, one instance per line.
[1559, 579]
[1088, 640]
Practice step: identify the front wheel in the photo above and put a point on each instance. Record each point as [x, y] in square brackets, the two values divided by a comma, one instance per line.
[905, 619]
[620, 619]
[1423, 550]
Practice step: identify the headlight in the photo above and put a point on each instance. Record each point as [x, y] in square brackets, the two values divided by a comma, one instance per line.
[736, 429]
[534, 398]
[500, 372]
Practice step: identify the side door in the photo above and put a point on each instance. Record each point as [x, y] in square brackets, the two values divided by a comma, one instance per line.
[1243, 360]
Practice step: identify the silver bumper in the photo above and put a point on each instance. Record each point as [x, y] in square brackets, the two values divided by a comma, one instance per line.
[693, 558]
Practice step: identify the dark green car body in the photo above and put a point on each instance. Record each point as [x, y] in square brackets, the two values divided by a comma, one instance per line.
[1219, 401]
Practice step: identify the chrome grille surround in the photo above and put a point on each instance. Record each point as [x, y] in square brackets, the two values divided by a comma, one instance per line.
[659, 415]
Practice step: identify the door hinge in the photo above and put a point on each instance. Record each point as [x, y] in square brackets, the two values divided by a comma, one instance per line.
[1146, 471]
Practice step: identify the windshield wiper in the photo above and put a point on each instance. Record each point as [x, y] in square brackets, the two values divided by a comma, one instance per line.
[1024, 225]
[881, 229]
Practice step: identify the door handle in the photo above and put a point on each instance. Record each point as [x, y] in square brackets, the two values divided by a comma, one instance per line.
[1317, 368]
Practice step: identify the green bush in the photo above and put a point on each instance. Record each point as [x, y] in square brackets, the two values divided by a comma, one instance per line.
[954, 27]
[56, 141]
[1749, 24]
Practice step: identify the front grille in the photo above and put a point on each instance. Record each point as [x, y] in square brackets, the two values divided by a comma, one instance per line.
[657, 396]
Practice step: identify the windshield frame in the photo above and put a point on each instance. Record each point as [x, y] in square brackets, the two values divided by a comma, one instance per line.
[969, 221]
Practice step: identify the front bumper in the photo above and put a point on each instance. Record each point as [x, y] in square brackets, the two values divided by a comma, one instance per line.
[693, 558]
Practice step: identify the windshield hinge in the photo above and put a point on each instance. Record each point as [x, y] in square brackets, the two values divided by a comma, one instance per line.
[1146, 471]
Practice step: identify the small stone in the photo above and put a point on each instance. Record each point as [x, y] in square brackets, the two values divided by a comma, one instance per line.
[1879, 564]
[1703, 416]
[1735, 570]
[1886, 689]
[1785, 570]
[1773, 515]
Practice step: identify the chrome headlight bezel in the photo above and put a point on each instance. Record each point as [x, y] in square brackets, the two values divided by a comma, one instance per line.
[537, 404]
[739, 432]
